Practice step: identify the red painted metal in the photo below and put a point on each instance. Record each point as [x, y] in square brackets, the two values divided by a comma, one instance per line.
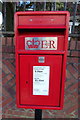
[44, 24]
[54, 61]
[46, 20]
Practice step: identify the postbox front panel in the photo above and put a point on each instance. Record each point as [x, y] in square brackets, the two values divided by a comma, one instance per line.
[40, 79]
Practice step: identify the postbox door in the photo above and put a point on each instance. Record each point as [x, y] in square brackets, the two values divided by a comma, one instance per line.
[50, 66]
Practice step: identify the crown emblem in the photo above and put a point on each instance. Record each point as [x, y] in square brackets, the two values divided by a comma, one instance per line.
[33, 43]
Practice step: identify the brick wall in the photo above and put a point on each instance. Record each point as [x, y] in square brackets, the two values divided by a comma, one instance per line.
[9, 108]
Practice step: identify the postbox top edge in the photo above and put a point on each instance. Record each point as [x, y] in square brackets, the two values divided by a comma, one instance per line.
[42, 13]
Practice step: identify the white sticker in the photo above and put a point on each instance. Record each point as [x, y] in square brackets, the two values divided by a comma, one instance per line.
[41, 80]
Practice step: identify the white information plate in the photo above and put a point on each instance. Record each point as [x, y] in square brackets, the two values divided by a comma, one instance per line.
[41, 80]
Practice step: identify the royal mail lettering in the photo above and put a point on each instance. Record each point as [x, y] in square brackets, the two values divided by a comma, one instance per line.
[41, 43]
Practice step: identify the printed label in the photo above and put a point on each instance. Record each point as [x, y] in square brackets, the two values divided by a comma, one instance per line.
[41, 80]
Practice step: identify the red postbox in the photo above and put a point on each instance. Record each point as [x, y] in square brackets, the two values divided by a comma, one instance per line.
[41, 50]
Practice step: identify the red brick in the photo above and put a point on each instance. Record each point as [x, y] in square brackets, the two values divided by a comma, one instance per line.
[3, 98]
[67, 105]
[0, 49]
[0, 70]
[7, 56]
[72, 60]
[79, 81]
[76, 112]
[74, 86]
[12, 61]
[1, 116]
[76, 75]
[47, 113]
[71, 69]
[14, 87]
[9, 41]
[72, 99]
[10, 66]
[75, 53]
[18, 113]
[8, 100]
[74, 107]
[67, 93]
[72, 44]
[69, 82]
[3, 74]
[0, 58]
[7, 78]
[75, 94]
[13, 49]
[3, 49]
[58, 116]
[79, 101]
[68, 45]
[3, 40]
[4, 92]
[5, 68]
[11, 82]
[0, 76]
[10, 105]
[68, 54]
[7, 49]
[68, 74]
[59, 113]
[15, 112]
[6, 116]
[13, 41]
[0, 104]
[78, 45]
[0, 111]
[76, 66]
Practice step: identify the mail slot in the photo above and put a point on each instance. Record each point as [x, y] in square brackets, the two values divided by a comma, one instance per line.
[41, 48]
